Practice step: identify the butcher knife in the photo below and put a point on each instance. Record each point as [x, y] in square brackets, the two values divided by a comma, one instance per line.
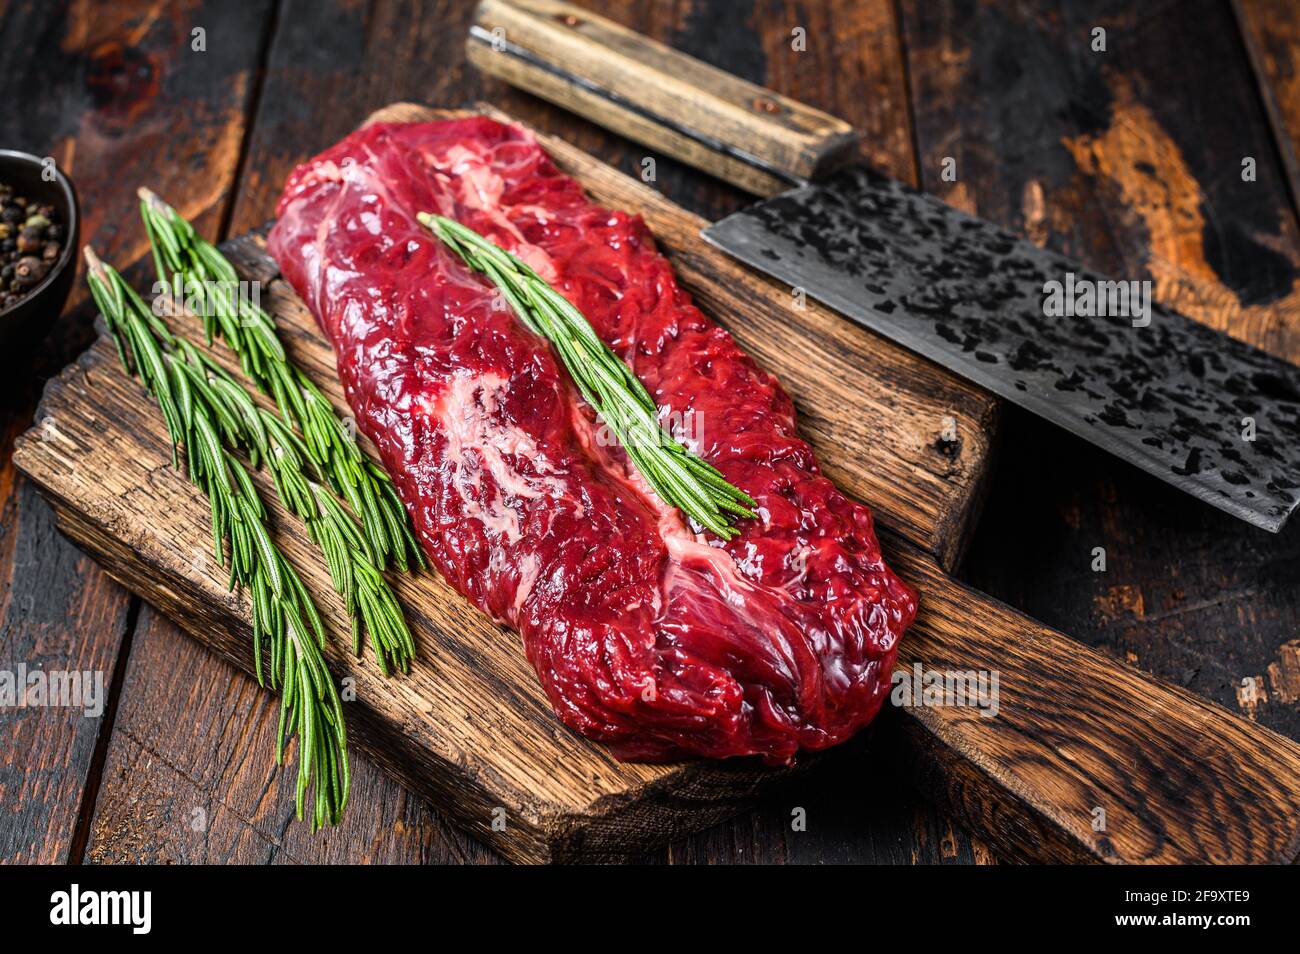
[1198, 409]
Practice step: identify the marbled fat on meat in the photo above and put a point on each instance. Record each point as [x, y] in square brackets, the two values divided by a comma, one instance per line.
[653, 639]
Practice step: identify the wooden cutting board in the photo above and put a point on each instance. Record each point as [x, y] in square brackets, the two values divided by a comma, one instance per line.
[1178, 779]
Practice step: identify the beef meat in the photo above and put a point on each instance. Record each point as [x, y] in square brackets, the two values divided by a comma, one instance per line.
[652, 638]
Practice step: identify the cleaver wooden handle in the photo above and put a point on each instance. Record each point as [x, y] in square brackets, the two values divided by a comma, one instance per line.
[750, 136]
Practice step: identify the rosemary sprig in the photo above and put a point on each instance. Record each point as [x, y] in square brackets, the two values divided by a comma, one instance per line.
[679, 477]
[369, 602]
[283, 611]
[196, 270]
[241, 422]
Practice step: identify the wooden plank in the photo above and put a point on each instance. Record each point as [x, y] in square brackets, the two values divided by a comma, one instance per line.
[331, 64]
[211, 793]
[1131, 160]
[91, 83]
[470, 728]
[1105, 162]
[62, 617]
[851, 65]
[1270, 30]
[1078, 733]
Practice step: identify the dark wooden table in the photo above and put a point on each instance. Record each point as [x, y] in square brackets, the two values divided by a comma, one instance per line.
[1130, 159]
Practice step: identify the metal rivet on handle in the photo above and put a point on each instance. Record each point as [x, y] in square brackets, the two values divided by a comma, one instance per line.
[765, 105]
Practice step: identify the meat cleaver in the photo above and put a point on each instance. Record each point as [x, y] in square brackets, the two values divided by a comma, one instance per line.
[1195, 407]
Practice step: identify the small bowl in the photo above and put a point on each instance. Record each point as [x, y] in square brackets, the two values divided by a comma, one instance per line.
[27, 321]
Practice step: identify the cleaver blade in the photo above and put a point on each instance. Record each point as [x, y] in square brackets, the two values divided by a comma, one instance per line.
[1198, 409]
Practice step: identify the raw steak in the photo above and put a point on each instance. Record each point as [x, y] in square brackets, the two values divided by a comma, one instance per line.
[657, 640]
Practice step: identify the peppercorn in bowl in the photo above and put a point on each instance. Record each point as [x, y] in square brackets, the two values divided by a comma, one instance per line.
[39, 226]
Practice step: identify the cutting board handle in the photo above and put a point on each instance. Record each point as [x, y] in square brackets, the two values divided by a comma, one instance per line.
[750, 136]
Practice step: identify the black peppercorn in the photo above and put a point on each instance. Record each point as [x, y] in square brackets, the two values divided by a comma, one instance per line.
[31, 240]
[28, 273]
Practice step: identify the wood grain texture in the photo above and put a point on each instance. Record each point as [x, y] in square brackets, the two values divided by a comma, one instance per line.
[750, 136]
[1270, 30]
[211, 792]
[1179, 779]
[1096, 155]
[106, 90]
[1132, 161]
[62, 616]
[852, 65]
